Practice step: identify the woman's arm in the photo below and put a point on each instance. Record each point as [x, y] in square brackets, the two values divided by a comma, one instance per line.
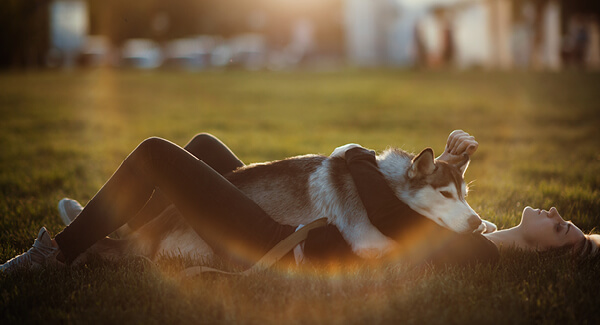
[421, 240]
[379, 199]
[398, 221]
[395, 219]
[326, 245]
[377, 196]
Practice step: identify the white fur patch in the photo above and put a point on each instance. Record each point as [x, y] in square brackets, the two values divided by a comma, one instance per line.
[185, 243]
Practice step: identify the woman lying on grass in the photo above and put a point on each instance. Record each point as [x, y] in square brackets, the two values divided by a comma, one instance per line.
[238, 230]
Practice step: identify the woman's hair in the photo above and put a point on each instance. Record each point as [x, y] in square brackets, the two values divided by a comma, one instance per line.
[589, 246]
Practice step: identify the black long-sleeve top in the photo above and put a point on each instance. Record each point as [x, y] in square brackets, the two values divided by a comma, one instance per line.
[420, 240]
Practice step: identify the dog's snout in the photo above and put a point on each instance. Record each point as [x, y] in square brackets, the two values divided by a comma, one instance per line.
[474, 222]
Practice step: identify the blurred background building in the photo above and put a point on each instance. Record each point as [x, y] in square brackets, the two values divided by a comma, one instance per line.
[282, 34]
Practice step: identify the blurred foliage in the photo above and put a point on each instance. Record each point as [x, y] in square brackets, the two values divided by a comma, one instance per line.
[121, 20]
[24, 25]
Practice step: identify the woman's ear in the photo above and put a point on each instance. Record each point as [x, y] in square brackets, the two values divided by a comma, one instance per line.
[422, 164]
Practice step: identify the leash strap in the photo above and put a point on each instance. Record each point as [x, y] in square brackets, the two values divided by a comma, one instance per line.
[270, 258]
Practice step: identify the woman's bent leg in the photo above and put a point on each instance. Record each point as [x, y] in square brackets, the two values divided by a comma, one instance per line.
[123, 195]
[205, 147]
[230, 222]
[214, 153]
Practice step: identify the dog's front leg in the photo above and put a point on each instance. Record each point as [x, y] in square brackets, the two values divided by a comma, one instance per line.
[489, 227]
[367, 241]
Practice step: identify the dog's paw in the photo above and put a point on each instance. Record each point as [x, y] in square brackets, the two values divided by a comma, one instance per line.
[489, 227]
[378, 249]
[481, 229]
[341, 151]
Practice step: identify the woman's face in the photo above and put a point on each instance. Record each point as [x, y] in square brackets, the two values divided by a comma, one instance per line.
[547, 229]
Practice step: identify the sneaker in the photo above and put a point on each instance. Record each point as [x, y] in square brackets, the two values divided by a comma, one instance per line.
[41, 253]
[68, 210]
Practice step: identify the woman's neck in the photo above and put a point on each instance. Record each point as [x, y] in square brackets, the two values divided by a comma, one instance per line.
[510, 237]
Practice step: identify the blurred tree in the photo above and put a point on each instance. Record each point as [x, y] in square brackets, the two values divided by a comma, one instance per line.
[569, 8]
[24, 33]
[121, 20]
[24, 24]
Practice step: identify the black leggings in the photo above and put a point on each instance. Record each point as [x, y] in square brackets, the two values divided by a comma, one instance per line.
[233, 225]
[205, 147]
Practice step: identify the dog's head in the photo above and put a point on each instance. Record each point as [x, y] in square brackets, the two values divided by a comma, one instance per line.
[437, 190]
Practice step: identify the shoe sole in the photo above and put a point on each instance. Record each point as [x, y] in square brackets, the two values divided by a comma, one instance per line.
[62, 211]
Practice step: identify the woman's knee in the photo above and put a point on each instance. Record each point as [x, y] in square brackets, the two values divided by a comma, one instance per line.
[152, 142]
[152, 146]
[202, 141]
[201, 138]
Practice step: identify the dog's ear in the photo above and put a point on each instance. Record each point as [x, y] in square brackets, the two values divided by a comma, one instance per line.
[422, 164]
[463, 164]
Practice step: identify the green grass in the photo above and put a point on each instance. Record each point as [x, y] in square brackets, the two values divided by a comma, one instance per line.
[63, 134]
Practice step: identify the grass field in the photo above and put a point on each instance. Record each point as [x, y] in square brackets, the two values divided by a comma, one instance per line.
[63, 134]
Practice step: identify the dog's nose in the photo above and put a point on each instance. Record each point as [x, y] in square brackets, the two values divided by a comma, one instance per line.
[474, 221]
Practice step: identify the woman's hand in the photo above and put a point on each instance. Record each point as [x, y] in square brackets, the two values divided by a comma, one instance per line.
[459, 142]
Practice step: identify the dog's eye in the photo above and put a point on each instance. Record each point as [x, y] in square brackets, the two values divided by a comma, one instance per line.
[446, 194]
